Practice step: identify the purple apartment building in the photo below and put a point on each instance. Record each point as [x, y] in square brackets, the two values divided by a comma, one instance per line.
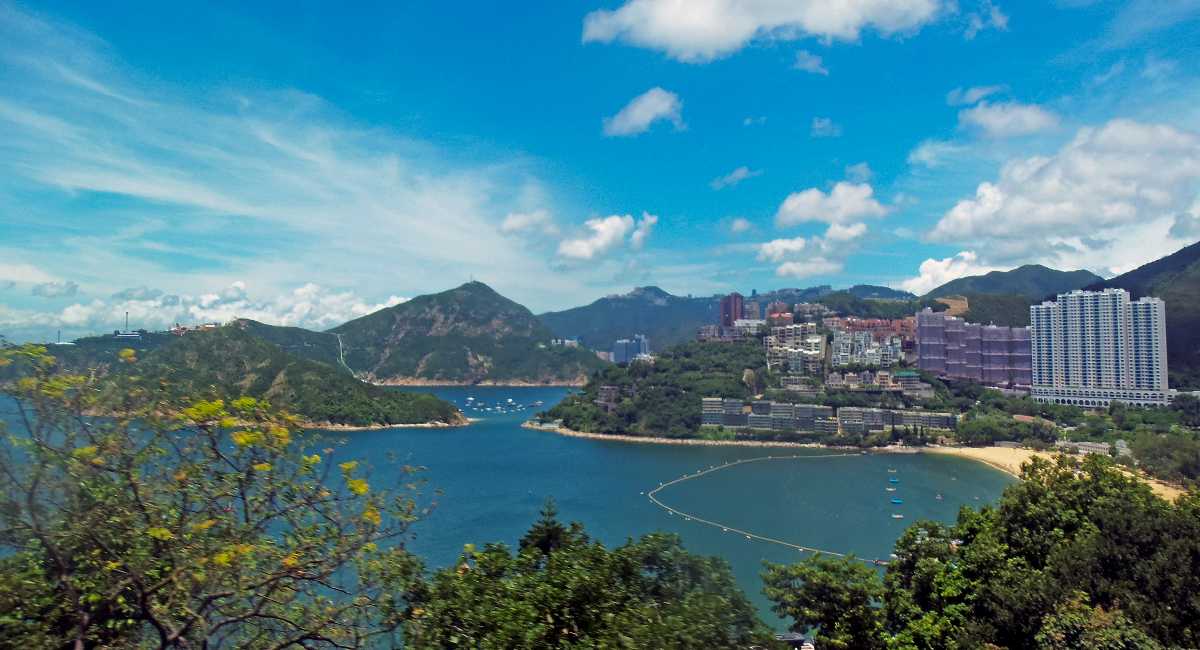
[989, 354]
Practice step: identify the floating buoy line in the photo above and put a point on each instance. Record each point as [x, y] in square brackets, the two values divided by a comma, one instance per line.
[726, 528]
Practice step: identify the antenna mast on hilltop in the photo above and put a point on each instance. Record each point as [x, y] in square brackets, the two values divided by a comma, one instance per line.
[126, 321]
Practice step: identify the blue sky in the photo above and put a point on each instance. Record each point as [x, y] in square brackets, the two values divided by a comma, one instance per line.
[302, 164]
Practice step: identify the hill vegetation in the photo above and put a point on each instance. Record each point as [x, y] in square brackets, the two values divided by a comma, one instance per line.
[846, 303]
[230, 361]
[663, 398]
[875, 292]
[1034, 281]
[466, 335]
[664, 318]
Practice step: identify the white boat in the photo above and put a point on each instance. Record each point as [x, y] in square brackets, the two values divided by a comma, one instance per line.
[896, 515]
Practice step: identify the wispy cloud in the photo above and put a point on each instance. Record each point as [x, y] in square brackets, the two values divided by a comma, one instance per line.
[211, 185]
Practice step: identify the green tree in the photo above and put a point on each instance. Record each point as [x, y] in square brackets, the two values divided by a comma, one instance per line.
[649, 593]
[130, 518]
[1076, 625]
[835, 595]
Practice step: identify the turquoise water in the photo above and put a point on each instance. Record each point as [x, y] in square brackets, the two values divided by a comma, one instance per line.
[494, 477]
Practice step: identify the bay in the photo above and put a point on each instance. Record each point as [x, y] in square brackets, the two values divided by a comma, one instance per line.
[493, 477]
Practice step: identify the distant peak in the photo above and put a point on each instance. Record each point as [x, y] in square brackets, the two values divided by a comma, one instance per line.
[649, 291]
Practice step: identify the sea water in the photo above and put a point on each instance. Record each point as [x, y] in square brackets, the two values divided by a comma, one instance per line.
[493, 477]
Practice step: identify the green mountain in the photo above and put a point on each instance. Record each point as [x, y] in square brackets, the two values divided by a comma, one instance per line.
[875, 292]
[466, 335]
[231, 361]
[845, 303]
[664, 318]
[998, 309]
[1033, 281]
[1176, 279]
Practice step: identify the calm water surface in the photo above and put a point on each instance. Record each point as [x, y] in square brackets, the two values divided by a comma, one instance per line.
[494, 477]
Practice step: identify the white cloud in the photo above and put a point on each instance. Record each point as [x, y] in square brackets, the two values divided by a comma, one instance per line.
[309, 192]
[702, 30]
[824, 127]
[754, 120]
[310, 305]
[778, 249]
[934, 273]
[1108, 197]
[967, 96]
[643, 111]
[844, 203]
[933, 153]
[800, 257]
[739, 225]
[989, 16]
[859, 172]
[23, 273]
[1007, 119]
[65, 289]
[734, 177]
[809, 62]
[604, 234]
[642, 232]
[808, 268]
[841, 233]
[534, 221]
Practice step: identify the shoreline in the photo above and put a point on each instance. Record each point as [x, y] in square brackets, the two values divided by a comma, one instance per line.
[1005, 459]
[445, 383]
[330, 426]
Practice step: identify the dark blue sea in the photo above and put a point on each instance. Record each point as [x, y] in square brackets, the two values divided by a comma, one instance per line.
[494, 476]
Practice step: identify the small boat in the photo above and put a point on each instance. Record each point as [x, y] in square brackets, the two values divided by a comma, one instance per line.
[747, 537]
[893, 480]
[891, 470]
[897, 500]
[890, 489]
[939, 496]
[896, 515]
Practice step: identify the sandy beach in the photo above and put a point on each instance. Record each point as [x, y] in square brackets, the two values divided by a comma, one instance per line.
[1006, 459]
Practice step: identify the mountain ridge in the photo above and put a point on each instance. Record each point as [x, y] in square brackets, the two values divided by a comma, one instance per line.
[1033, 281]
[470, 334]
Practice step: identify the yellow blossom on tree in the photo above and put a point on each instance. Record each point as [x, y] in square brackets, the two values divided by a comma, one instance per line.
[291, 559]
[161, 534]
[262, 467]
[204, 525]
[281, 435]
[358, 486]
[246, 438]
[349, 466]
[128, 355]
[223, 558]
[85, 452]
[371, 515]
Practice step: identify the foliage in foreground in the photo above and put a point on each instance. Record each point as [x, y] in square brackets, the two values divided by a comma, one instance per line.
[1074, 556]
[186, 524]
[563, 590]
